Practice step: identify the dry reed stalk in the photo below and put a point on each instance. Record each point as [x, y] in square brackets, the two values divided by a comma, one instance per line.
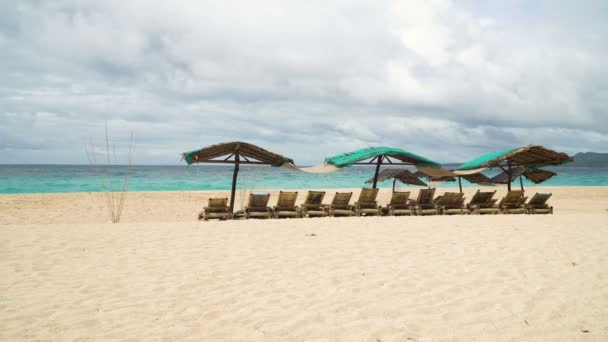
[115, 201]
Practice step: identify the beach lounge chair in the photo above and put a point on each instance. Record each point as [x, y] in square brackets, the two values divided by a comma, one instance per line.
[513, 202]
[538, 204]
[313, 205]
[217, 208]
[399, 204]
[339, 205]
[483, 203]
[451, 203]
[257, 207]
[366, 204]
[286, 205]
[424, 204]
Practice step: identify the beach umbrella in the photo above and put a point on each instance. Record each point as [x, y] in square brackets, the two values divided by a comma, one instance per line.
[477, 178]
[379, 155]
[538, 176]
[403, 175]
[236, 153]
[505, 178]
[535, 175]
[510, 159]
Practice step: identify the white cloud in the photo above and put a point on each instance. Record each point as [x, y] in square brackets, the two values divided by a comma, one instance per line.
[439, 78]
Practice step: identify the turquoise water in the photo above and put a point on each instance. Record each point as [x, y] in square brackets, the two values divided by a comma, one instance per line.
[18, 179]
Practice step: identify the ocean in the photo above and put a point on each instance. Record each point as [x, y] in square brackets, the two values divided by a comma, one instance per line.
[23, 179]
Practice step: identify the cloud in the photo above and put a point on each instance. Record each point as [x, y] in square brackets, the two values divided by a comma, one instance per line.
[444, 79]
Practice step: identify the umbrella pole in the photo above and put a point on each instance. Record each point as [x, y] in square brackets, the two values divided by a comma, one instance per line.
[460, 183]
[521, 183]
[234, 176]
[509, 175]
[394, 183]
[377, 170]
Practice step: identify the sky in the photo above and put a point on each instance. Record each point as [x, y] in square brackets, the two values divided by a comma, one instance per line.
[448, 80]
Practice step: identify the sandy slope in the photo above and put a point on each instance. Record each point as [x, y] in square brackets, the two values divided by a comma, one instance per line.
[66, 274]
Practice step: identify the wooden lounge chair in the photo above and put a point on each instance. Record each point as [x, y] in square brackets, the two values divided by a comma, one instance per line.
[451, 203]
[399, 204]
[424, 204]
[258, 206]
[313, 205]
[513, 202]
[367, 205]
[339, 205]
[286, 205]
[217, 208]
[483, 203]
[538, 204]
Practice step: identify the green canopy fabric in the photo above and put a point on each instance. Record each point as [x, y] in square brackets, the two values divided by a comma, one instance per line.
[350, 158]
[482, 160]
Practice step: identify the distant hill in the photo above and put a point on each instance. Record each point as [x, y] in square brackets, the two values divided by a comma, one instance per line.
[590, 159]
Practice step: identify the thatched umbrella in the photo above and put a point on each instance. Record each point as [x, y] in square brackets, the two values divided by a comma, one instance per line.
[477, 178]
[507, 160]
[377, 156]
[538, 176]
[535, 175]
[404, 175]
[236, 153]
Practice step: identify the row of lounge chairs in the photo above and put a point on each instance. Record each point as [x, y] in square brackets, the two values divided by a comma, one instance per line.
[400, 204]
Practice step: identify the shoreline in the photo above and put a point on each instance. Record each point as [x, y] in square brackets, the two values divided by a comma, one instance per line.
[515, 186]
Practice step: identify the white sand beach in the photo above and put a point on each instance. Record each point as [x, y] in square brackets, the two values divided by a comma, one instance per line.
[67, 274]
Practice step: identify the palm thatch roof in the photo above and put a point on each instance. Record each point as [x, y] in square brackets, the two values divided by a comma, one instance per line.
[403, 157]
[247, 153]
[534, 155]
[503, 177]
[403, 175]
[477, 178]
[535, 175]
[538, 176]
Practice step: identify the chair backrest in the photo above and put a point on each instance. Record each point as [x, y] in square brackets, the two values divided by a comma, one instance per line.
[539, 199]
[219, 203]
[399, 198]
[368, 195]
[425, 196]
[513, 198]
[450, 199]
[367, 198]
[314, 198]
[287, 199]
[341, 198]
[258, 200]
[481, 198]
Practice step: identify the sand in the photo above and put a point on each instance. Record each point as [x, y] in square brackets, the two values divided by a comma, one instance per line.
[67, 274]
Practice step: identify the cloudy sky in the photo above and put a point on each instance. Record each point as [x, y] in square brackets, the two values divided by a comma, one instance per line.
[445, 79]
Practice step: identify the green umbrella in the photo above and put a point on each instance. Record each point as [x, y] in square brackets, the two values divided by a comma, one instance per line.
[377, 156]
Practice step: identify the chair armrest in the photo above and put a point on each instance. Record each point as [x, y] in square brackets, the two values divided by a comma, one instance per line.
[369, 205]
[393, 207]
[345, 207]
[305, 207]
[295, 208]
